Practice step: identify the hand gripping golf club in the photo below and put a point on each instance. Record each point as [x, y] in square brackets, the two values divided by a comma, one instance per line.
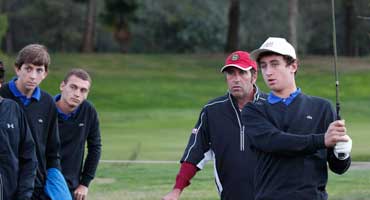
[337, 104]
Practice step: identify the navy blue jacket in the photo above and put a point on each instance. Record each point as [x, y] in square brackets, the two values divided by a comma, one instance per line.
[18, 161]
[289, 144]
[42, 120]
[220, 133]
[74, 132]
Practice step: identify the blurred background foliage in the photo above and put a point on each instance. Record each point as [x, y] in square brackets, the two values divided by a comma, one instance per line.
[188, 26]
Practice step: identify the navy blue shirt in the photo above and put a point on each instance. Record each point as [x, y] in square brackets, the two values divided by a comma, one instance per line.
[42, 119]
[36, 95]
[77, 129]
[288, 141]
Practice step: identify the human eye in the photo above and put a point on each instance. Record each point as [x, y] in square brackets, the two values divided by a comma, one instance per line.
[28, 69]
[73, 87]
[39, 70]
[274, 64]
[263, 65]
[83, 90]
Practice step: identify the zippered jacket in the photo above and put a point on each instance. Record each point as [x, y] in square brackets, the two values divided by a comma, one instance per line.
[18, 161]
[42, 119]
[220, 135]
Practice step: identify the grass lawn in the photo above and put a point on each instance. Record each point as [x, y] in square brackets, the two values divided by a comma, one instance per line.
[148, 105]
[148, 182]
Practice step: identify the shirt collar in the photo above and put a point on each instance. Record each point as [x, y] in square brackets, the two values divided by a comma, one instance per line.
[25, 100]
[273, 99]
[61, 113]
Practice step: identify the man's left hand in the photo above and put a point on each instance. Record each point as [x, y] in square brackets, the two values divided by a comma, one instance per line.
[81, 192]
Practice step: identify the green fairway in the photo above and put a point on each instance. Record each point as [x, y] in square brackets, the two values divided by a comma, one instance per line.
[148, 105]
[148, 182]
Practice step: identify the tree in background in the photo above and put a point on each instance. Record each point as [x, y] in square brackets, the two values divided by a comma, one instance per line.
[350, 26]
[190, 26]
[233, 26]
[293, 18]
[88, 42]
[3, 27]
[117, 15]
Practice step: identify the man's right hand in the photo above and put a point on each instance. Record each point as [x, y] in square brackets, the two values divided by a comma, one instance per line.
[173, 195]
[336, 133]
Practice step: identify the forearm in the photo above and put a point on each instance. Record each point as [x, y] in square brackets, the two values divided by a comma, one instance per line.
[186, 173]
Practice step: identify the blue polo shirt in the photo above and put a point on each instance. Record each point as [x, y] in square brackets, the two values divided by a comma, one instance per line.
[36, 95]
[61, 113]
[273, 99]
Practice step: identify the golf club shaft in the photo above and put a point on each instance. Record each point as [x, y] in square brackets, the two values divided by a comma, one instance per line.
[337, 105]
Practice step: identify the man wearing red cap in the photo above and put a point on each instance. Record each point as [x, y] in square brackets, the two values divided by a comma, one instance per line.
[220, 135]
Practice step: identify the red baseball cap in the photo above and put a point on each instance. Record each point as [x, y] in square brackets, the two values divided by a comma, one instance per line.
[241, 60]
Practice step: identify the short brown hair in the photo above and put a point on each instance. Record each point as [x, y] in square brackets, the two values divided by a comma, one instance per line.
[80, 73]
[35, 54]
[289, 60]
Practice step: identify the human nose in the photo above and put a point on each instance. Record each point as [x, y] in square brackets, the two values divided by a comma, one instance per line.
[33, 74]
[267, 70]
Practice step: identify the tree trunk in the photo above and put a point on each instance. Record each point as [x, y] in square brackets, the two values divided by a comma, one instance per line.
[233, 28]
[8, 39]
[350, 27]
[293, 15]
[89, 34]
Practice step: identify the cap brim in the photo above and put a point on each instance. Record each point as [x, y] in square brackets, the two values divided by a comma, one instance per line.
[254, 54]
[237, 66]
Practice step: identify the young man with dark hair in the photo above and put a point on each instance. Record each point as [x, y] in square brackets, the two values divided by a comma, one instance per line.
[294, 135]
[31, 67]
[17, 152]
[78, 124]
[220, 135]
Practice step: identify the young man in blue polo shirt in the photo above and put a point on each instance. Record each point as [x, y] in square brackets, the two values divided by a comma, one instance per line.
[293, 135]
[31, 67]
[78, 124]
[220, 135]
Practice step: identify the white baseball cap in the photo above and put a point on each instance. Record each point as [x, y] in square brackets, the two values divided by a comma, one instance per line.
[277, 45]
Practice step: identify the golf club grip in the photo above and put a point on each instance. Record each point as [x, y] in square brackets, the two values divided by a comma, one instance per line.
[341, 156]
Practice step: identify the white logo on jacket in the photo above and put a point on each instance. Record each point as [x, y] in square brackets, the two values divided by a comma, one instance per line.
[11, 125]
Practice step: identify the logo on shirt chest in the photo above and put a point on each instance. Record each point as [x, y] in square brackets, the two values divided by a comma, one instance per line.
[309, 117]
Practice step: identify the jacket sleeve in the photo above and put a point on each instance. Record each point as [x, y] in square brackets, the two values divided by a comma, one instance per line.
[27, 160]
[94, 151]
[265, 137]
[53, 140]
[335, 165]
[199, 141]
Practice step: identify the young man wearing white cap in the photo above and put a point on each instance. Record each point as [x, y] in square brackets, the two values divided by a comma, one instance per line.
[219, 134]
[292, 134]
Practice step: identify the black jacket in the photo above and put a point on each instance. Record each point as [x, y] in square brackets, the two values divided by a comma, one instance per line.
[289, 144]
[74, 133]
[18, 161]
[220, 133]
[42, 120]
